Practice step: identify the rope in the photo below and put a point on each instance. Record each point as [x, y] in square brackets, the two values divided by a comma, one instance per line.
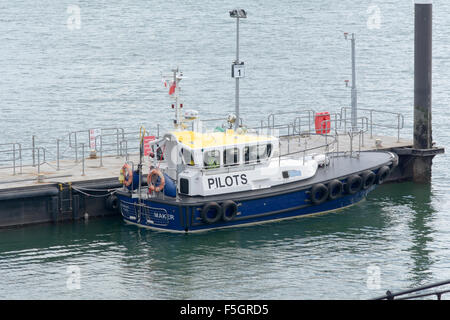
[109, 192]
[96, 190]
[94, 195]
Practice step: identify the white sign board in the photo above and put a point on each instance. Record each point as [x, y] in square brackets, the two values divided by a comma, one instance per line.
[237, 71]
[93, 134]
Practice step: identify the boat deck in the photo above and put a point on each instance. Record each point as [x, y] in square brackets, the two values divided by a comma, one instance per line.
[339, 168]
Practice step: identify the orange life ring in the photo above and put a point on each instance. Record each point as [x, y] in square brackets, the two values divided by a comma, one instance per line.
[153, 187]
[128, 179]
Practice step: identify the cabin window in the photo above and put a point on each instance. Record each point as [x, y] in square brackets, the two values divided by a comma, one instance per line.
[231, 157]
[211, 159]
[250, 154]
[261, 151]
[269, 150]
[159, 153]
[188, 157]
[257, 152]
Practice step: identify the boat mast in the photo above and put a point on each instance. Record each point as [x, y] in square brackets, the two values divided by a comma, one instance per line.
[176, 80]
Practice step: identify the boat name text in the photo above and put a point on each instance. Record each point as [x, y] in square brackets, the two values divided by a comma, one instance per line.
[228, 181]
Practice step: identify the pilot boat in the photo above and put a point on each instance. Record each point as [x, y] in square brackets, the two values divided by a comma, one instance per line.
[195, 178]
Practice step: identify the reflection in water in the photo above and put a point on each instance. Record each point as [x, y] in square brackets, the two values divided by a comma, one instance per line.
[270, 260]
[421, 233]
[324, 256]
[418, 198]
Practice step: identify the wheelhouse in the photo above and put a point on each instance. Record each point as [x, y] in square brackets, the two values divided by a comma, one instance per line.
[202, 163]
[222, 150]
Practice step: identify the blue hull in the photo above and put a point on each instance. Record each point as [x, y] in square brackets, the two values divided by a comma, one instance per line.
[179, 217]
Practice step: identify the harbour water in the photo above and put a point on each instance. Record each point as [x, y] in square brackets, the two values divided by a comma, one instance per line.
[72, 65]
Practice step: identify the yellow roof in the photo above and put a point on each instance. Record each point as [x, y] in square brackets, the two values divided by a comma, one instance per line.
[198, 140]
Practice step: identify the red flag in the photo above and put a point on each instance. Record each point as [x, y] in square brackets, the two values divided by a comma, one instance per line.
[172, 88]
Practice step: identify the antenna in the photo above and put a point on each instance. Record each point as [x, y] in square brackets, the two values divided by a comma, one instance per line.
[174, 90]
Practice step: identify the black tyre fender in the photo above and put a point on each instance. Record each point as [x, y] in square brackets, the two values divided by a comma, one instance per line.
[335, 189]
[319, 193]
[354, 184]
[382, 174]
[368, 179]
[112, 203]
[229, 210]
[206, 217]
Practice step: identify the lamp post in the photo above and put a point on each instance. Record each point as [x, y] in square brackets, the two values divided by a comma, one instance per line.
[354, 91]
[237, 68]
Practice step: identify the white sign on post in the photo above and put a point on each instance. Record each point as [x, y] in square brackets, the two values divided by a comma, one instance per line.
[93, 134]
[238, 71]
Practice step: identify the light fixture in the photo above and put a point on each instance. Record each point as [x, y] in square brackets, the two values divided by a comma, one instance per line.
[238, 13]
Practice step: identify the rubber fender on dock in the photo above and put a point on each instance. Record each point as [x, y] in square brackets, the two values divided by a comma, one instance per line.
[368, 179]
[229, 210]
[335, 189]
[354, 184]
[112, 203]
[22, 193]
[211, 212]
[319, 193]
[382, 174]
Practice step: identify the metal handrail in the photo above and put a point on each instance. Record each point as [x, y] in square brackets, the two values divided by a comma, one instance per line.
[326, 145]
[74, 139]
[400, 120]
[391, 296]
[13, 150]
[271, 117]
[298, 119]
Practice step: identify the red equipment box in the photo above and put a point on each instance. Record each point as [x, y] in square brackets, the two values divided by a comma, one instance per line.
[322, 125]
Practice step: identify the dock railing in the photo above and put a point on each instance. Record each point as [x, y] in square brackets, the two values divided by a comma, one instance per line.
[110, 138]
[297, 128]
[303, 128]
[11, 154]
[74, 146]
[391, 120]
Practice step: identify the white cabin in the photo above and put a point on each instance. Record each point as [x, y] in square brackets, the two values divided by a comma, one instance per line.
[214, 163]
